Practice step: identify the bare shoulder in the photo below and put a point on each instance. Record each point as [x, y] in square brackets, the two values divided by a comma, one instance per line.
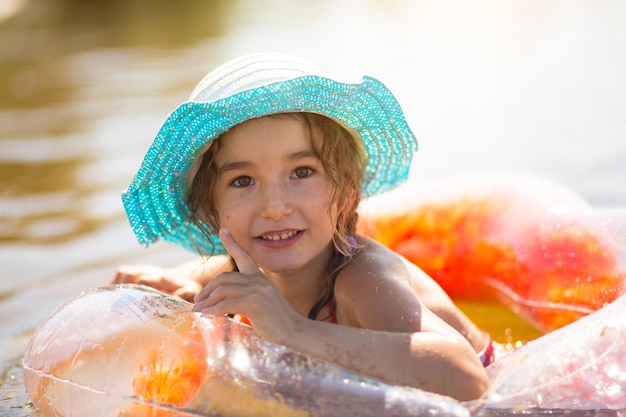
[390, 264]
[374, 291]
[377, 264]
[382, 290]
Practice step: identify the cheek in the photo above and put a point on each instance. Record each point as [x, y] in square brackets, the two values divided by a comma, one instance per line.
[330, 203]
[325, 208]
[322, 192]
[222, 214]
[231, 213]
[332, 213]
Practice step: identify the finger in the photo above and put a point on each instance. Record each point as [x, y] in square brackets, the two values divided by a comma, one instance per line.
[123, 278]
[244, 261]
[225, 279]
[222, 308]
[213, 294]
[129, 274]
[187, 293]
[119, 277]
[157, 282]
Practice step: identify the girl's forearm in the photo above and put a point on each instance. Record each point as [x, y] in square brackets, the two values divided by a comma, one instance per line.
[203, 270]
[430, 361]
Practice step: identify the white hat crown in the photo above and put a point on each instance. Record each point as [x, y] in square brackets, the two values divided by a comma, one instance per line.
[250, 72]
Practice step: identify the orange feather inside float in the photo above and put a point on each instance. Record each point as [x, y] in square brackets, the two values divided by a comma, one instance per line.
[173, 380]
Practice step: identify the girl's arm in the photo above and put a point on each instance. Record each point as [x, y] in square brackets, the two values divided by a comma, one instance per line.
[184, 280]
[432, 360]
[391, 336]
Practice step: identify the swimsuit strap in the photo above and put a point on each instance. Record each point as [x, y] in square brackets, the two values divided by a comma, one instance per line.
[328, 298]
[487, 355]
[325, 300]
[332, 317]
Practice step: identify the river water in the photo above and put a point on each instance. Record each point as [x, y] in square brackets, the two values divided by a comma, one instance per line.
[531, 86]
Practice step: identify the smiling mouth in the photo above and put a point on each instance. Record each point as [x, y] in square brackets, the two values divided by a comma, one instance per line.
[279, 236]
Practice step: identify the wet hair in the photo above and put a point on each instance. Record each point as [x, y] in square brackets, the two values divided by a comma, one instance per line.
[342, 155]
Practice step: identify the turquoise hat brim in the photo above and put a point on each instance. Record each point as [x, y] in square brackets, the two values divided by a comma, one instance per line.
[155, 201]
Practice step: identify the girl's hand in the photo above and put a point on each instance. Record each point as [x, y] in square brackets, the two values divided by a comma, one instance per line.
[163, 279]
[250, 293]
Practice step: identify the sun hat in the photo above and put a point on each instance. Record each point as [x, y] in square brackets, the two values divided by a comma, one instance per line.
[245, 88]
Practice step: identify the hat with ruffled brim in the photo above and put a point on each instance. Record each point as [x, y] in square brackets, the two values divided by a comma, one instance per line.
[245, 88]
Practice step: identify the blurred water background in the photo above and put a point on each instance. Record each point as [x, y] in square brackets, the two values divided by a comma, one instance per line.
[532, 86]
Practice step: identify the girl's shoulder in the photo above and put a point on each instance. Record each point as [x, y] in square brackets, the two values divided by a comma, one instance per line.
[374, 285]
[377, 260]
[383, 267]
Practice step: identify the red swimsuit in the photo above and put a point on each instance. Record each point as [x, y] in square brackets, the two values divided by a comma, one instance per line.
[332, 317]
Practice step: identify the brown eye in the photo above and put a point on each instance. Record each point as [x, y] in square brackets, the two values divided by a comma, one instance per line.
[242, 181]
[302, 172]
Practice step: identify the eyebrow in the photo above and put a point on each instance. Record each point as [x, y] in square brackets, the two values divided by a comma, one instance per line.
[231, 166]
[302, 154]
[235, 165]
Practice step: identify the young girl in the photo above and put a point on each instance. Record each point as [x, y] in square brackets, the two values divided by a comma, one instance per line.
[262, 172]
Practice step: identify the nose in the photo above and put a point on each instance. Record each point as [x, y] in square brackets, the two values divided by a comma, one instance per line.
[275, 201]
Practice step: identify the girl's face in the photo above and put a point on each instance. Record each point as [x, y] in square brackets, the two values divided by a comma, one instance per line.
[273, 194]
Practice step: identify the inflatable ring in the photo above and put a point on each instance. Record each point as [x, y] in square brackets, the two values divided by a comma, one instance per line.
[129, 350]
[523, 242]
